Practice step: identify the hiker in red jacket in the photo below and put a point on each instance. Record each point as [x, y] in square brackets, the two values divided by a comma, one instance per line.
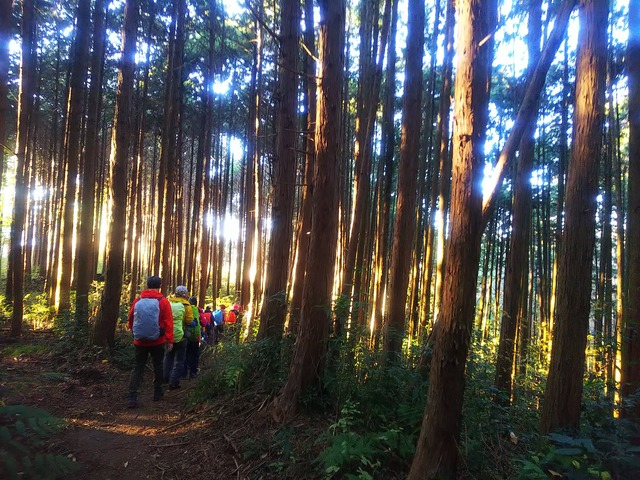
[151, 322]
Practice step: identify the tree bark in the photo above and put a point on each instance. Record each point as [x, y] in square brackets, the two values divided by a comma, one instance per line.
[366, 106]
[206, 152]
[405, 220]
[172, 148]
[161, 192]
[443, 160]
[437, 450]
[309, 155]
[309, 357]
[563, 393]
[517, 263]
[25, 109]
[387, 167]
[251, 174]
[5, 33]
[105, 326]
[631, 317]
[85, 241]
[275, 302]
[529, 104]
[72, 148]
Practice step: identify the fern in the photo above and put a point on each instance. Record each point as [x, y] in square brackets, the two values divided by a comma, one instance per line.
[21, 436]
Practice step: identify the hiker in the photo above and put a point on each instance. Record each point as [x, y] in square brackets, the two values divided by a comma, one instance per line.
[192, 333]
[234, 318]
[218, 318]
[151, 322]
[234, 314]
[208, 325]
[182, 317]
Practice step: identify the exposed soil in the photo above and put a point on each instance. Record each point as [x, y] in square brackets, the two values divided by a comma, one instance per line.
[158, 440]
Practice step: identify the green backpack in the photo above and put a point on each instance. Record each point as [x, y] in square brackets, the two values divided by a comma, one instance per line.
[177, 309]
[192, 333]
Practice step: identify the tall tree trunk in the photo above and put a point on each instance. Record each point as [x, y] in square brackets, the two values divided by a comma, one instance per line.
[173, 150]
[31, 201]
[275, 304]
[631, 337]
[443, 160]
[563, 393]
[206, 152]
[25, 109]
[366, 105]
[518, 261]
[85, 241]
[621, 301]
[194, 222]
[562, 170]
[405, 221]
[162, 194]
[309, 357]
[603, 307]
[251, 174]
[387, 167]
[105, 326]
[72, 148]
[57, 171]
[528, 106]
[5, 34]
[309, 154]
[132, 260]
[437, 450]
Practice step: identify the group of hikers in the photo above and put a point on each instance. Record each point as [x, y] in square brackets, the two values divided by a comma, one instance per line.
[171, 330]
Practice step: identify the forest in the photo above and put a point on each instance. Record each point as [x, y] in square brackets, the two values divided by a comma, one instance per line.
[428, 210]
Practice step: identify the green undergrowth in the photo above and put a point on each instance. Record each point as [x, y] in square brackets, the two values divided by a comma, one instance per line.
[365, 422]
[378, 413]
[23, 434]
[233, 367]
[500, 442]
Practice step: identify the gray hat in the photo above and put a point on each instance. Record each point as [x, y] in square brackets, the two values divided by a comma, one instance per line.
[181, 291]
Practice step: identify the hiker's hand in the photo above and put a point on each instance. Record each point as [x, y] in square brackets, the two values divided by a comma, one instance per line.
[169, 347]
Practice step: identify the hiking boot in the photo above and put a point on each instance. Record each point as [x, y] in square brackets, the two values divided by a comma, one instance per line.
[132, 403]
[174, 386]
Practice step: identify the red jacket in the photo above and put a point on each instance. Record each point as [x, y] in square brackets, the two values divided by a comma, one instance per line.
[205, 318]
[166, 318]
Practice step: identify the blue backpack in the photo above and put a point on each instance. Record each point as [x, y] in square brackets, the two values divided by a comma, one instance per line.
[146, 320]
[217, 317]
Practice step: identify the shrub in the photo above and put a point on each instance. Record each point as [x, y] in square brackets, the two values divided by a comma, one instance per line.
[22, 431]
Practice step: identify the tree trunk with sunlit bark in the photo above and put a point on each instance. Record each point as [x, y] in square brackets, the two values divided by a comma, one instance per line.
[275, 302]
[437, 450]
[25, 110]
[310, 350]
[631, 336]
[72, 148]
[563, 393]
[85, 241]
[105, 326]
[405, 220]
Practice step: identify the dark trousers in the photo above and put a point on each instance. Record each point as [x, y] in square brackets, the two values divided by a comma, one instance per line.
[174, 362]
[193, 360]
[218, 330]
[142, 352]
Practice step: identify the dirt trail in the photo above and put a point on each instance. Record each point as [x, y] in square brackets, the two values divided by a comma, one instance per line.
[158, 440]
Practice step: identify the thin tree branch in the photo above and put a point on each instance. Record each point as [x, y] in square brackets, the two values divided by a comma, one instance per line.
[261, 21]
[528, 106]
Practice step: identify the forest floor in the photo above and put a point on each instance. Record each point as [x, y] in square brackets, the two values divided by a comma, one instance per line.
[159, 440]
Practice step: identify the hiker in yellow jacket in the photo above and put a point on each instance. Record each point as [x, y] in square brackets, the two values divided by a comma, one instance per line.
[182, 318]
